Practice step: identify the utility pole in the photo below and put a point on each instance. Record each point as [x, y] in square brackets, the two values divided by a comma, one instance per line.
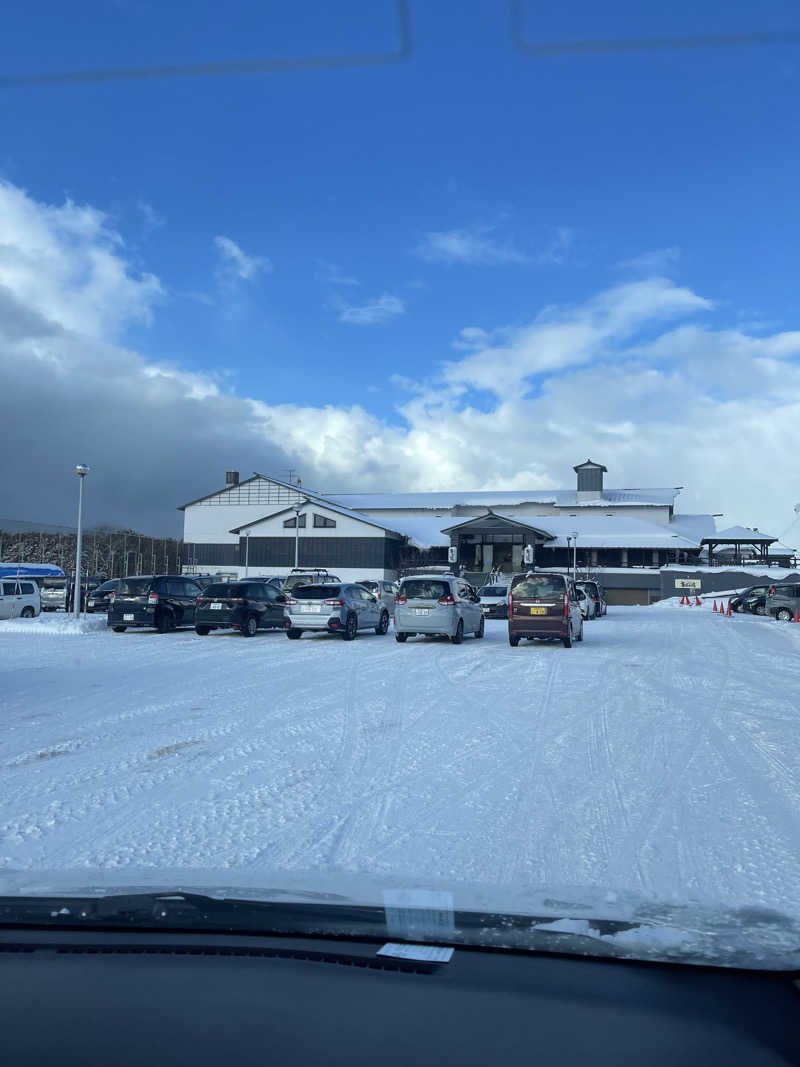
[81, 470]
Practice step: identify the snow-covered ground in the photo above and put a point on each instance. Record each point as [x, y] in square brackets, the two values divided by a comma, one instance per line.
[660, 757]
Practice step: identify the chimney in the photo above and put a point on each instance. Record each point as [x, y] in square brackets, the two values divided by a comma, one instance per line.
[231, 477]
[590, 480]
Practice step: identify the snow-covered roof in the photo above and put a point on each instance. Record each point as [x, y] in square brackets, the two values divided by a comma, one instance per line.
[741, 533]
[490, 499]
[695, 527]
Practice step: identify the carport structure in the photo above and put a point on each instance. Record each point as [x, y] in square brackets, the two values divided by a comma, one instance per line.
[736, 537]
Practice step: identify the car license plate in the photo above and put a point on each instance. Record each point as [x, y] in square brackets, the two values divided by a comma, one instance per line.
[91, 603]
[538, 611]
[485, 610]
[422, 611]
[216, 607]
[310, 609]
[127, 618]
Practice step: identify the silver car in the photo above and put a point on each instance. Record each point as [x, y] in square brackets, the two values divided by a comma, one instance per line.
[336, 609]
[440, 604]
[381, 590]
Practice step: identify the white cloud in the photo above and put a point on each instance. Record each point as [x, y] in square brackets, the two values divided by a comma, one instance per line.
[332, 274]
[152, 218]
[659, 261]
[632, 377]
[475, 245]
[375, 312]
[235, 265]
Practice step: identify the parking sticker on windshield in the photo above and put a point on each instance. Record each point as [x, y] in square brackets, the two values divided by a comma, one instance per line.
[426, 953]
[419, 913]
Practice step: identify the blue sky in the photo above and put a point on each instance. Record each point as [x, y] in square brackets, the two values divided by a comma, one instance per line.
[374, 213]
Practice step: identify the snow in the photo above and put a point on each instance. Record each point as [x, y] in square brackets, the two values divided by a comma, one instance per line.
[658, 760]
[53, 623]
[493, 498]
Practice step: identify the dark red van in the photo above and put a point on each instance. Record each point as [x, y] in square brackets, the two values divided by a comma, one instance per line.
[544, 605]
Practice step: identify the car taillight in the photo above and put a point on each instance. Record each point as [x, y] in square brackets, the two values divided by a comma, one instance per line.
[152, 598]
[111, 598]
[772, 591]
[290, 600]
[446, 601]
[334, 603]
[236, 600]
[510, 605]
[201, 600]
[401, 600]
[566, 605]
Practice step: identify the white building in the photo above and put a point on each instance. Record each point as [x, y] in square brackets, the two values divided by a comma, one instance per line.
[250, 527]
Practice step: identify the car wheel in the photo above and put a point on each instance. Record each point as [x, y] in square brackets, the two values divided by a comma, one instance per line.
[568, 639]
[761, 609]
[458, 636]
[579, 636]
[513, 641]
[250, 627]
[165, 622]
[383, 625]
[784, 615]
[202, 630]
[28, 613]
[350, 628]
[293, 634]
[119, 629]
[400, 637]
[481, 629]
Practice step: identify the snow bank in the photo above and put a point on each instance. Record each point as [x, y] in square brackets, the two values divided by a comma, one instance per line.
[54, 624]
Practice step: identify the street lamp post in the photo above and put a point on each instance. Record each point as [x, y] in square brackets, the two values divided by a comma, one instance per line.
[574, 555]
[247, 553]
[81, 470]
[298, 507]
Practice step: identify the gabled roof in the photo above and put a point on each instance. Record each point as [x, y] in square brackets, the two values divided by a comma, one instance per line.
[739, 535]
[516, 520]
[590, 466]
[323, 505]
[224, 489]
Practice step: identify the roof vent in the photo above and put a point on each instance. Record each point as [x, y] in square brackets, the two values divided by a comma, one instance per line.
[590, 480]
[231, 477]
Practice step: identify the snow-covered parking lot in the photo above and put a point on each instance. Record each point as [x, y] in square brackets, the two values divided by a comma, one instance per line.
[662, 755]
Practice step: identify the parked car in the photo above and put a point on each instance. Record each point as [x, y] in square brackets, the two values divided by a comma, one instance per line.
[338, 608]
[88, 586]
[247, 606]
[597, 593]
[494, 601]
[308, 576]
[162, 601]
[544, 605]
[19, 598]
[586, 602]
[783, 601]
[382, 590]
[53, 593]
[442, 604]
[737, 602]
[756, 603]
[100, 598]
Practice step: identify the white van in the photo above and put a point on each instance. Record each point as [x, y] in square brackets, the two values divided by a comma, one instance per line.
[19, 598]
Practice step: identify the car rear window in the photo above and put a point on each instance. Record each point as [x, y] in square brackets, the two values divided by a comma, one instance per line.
[424, 589]
[494, 590]
[316, 592]
[369, 585]
[134, 586]
[539, 585]
[223, 589]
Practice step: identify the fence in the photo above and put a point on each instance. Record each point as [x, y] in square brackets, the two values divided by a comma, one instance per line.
[106, 553]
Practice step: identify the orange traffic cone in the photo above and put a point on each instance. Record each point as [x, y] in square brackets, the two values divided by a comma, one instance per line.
[697, 601]
[715, 605]
[729, 612]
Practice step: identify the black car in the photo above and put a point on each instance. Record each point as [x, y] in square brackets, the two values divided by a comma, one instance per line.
[162, 601]
[246, 606]
[752, 593]
[100, 598]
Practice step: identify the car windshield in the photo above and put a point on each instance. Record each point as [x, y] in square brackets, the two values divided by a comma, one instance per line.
[134, 586]
[424, 589]
[539, 585]
[406, 299]
[106, 587]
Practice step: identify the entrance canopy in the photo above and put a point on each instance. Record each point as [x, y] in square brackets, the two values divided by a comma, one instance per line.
[494, 542]
[737, 538]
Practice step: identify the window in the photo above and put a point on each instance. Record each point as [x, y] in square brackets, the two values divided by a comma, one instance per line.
[175, 588]
[540, 585]
[424, 589]
[27, 588]
[290, 524]
[322, 521]
[8, 588]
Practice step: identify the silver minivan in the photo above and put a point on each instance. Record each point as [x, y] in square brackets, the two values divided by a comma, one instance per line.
[19, 598]
[437, 604]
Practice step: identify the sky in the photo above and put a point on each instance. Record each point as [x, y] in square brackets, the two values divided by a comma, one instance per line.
[466, 267]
